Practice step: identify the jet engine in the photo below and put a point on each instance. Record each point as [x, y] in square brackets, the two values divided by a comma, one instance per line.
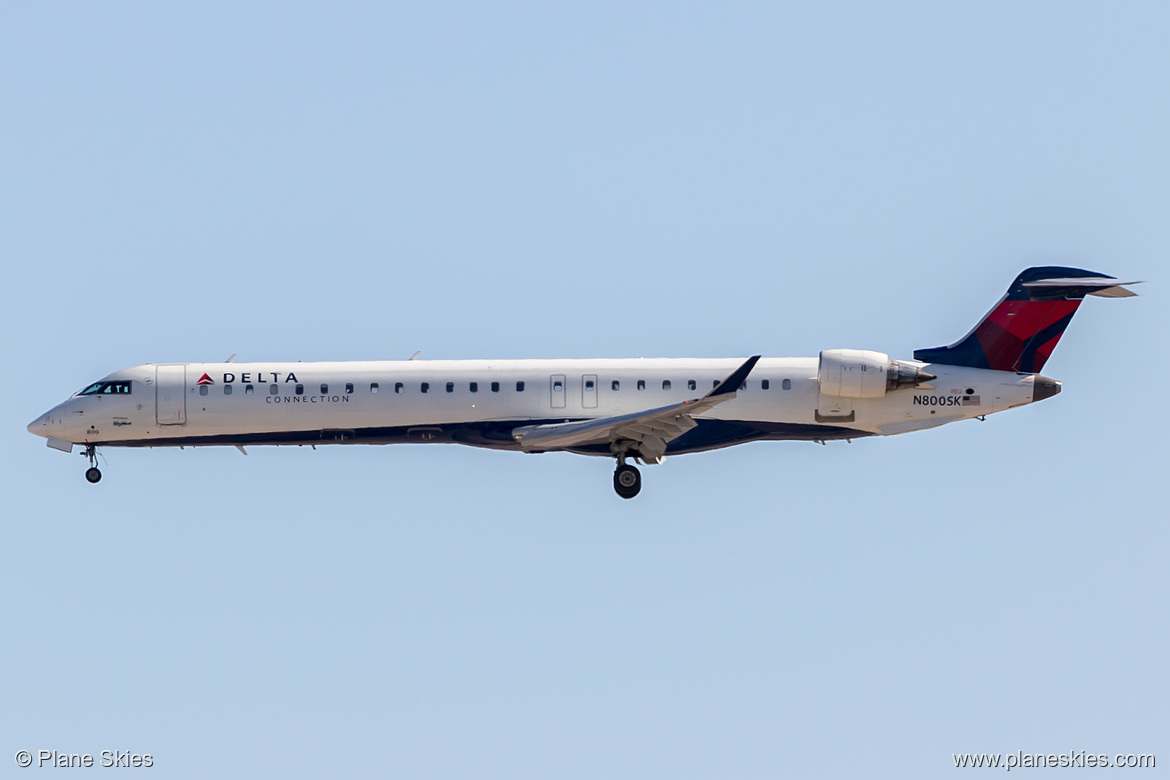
[859, 373]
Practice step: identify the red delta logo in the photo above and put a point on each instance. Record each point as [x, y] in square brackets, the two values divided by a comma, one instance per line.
[205, 380]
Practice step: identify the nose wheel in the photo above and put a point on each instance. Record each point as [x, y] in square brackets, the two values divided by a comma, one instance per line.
[93, 474]
[627, 481]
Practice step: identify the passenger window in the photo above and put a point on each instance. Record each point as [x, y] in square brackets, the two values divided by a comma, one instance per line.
[474, 387]
[202, 389]
[743, 385]
[495, 387]
[425, 386]
[227, 389]
[519, 387]
[615, 385]
[691, 384]
[300, 389]
[373, 387]
[786, 384]
[665, 384]
[273, 389]
[398, 387]
[324, 389]
[641, 384]
[715, 383]
[348, 388]
[450, 387]
[249, 389]
[765, 384]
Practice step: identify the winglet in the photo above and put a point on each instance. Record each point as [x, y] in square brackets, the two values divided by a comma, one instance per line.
[732, 383]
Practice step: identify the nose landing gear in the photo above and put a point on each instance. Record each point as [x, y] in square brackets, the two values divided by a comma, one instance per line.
[93, 475]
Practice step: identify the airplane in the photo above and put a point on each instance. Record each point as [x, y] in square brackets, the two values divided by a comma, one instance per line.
[627, 409]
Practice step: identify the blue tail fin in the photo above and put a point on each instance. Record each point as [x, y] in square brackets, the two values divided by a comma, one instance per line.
[1021, 331]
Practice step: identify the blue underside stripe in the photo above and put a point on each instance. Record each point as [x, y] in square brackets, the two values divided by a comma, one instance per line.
[707, 435]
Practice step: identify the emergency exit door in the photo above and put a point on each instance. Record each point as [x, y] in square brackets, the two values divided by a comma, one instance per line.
[589, 391]
[557, 388]
[170, 394]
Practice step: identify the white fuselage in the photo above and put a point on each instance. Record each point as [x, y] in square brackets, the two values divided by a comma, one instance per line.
[479, 402]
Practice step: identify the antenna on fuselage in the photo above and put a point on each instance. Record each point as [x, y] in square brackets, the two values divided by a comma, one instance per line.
[417, 352]
[232, 359]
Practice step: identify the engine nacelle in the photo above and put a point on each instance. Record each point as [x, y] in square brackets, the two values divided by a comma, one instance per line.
[859, 373]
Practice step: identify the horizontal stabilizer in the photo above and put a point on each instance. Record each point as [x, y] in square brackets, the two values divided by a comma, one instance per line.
[1116, 291]
[1101, 286]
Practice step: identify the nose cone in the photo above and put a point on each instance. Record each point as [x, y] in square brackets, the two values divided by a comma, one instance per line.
[1043, 387]
[38, 427]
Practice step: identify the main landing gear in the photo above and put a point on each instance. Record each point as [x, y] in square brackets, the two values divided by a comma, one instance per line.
[627, 481]
[93, 475]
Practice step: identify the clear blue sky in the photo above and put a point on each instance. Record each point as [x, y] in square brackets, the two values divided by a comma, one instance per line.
[357, 181]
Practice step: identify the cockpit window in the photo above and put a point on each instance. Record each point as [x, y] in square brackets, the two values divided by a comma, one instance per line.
[107, 388]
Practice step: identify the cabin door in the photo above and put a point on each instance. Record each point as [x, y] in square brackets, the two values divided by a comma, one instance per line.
[170, 395]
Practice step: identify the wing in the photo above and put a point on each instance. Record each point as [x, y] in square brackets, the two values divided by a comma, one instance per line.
[650, 430]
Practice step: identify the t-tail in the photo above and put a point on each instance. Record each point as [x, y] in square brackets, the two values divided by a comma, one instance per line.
[1021, 331]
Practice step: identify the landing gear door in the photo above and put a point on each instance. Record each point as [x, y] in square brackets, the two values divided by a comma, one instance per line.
[170, 395]
[557, 387]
